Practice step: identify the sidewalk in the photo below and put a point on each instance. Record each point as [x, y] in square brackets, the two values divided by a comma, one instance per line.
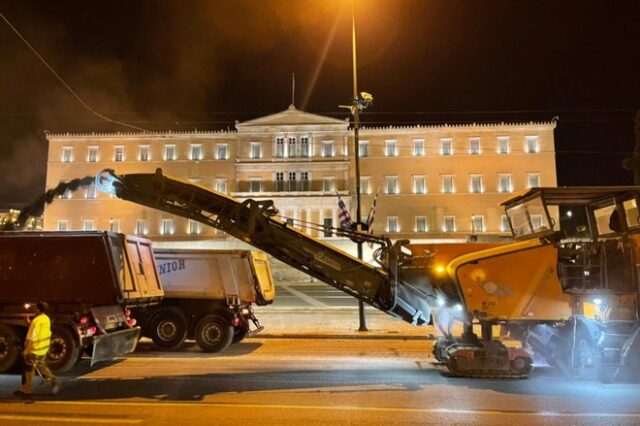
[336, 323]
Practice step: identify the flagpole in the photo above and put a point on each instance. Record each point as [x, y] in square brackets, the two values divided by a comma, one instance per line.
[356, 128]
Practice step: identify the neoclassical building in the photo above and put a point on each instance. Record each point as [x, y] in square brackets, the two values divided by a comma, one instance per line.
[435, 182]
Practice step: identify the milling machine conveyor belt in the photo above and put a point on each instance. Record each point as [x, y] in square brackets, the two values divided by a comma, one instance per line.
[252, 221]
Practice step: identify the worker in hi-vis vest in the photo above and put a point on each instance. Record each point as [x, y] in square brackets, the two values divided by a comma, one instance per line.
[36, 346]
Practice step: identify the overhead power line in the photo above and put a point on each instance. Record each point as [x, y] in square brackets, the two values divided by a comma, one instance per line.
[64, 83]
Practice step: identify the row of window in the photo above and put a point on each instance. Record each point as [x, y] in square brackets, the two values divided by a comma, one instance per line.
[474, 147]
[449, 223]
[421, 224]
[144, 153]
[90, 193]
[167, 226]
[196, 151]
[291, 149]
[447, 184]
[391, 185]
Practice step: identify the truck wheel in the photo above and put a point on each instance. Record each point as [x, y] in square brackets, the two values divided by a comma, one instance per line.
[9, 347]
[214, 333]
[240, 332]
[64, 350]
[168, 329]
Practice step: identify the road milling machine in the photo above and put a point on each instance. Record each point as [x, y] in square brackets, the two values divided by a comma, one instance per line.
[567, 287]
[568, 291]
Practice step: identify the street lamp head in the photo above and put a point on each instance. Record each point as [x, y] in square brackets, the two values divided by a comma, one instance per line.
[367, 97]
[364, 100]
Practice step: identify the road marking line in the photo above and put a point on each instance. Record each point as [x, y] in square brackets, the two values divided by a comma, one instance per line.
[83, 420]
[301, 295]
[351, 408]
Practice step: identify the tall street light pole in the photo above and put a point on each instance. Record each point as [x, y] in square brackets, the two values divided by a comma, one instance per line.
[355, 109]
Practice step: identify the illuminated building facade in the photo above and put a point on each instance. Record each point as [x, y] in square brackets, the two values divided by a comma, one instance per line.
[434, 182]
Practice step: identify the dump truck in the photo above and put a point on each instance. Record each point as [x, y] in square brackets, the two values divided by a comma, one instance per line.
[209, 297]
[569, 292]
[90, 279]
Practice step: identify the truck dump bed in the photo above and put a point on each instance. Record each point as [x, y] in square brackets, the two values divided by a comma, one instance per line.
[244, 275]
[68, 269]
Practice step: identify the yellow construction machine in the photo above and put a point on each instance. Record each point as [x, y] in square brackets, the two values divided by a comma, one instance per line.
[566, 287]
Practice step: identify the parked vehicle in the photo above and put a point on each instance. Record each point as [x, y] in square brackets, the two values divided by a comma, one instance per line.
[90, 281]
[209, 296]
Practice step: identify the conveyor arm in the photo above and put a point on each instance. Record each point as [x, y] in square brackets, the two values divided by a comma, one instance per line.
[253, 222]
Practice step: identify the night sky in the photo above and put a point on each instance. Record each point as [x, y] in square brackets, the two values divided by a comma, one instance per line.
[170, 65]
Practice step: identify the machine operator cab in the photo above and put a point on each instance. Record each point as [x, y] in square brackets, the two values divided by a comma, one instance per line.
[595, 229]
[572, 246]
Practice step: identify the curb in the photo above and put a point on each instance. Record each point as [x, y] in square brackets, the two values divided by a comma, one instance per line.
[341, 336]
[303, 309]
[386, 328]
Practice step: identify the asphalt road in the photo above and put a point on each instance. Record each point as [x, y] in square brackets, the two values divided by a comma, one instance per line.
[312, 381]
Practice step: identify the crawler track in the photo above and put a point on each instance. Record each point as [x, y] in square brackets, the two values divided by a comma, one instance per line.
[481, 373]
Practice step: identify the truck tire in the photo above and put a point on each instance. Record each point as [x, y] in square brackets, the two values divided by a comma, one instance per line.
[213, 333]
[168, 329]
[64, 349]
[9, 348]
[240, 332]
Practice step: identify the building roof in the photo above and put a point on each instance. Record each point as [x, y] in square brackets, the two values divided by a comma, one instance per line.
[489, 126]
[295, 117]
[292, 117]
[151, 135]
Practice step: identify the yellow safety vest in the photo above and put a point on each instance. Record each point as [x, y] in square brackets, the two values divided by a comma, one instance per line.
[40, 335]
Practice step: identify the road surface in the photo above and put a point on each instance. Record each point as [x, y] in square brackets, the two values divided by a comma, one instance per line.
[312, 381]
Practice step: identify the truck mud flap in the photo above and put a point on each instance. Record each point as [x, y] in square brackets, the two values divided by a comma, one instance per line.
[254, 332]
[118, 343]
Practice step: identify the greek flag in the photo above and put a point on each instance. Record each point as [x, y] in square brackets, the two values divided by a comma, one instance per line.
[343, 216]
[372, 212]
